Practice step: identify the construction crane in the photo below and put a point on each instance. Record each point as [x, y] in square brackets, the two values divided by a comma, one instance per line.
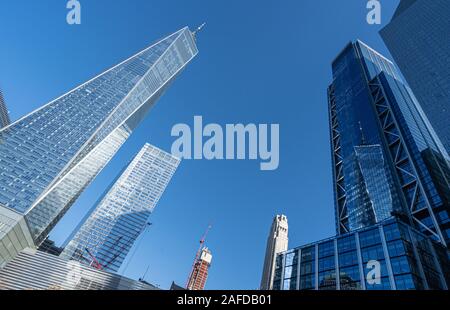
[94, 262]
[117, 253]
[197, 256]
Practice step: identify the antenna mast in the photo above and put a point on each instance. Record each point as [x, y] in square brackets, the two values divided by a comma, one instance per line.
[199, 28]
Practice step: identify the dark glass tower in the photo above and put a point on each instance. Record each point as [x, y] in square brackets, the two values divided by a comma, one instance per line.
[418, 39]
[391, 183]
[387, 159]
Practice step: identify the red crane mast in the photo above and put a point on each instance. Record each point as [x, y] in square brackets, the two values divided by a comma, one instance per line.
[197, 256]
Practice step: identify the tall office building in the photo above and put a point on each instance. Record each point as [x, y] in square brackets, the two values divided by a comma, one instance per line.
[50, 156]
[277, 242]
[4, 115]
[391, 184]
[418, 39]
[107, 234]
[387, 159]
[199, 275]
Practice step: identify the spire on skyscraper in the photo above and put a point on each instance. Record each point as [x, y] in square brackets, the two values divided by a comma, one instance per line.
[199, 28]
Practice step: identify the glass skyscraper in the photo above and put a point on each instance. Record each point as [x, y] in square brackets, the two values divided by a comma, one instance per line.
[4, 115]
[391, 185]
[418, 39]
[387, 158]
[105, 237]
[48, 157]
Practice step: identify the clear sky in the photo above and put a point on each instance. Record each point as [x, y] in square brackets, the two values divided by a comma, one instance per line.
[259, 62]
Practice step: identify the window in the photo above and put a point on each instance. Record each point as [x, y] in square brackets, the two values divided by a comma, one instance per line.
[307, 282]
[391, 232]
[277, 275]
[372, 253]
[405, 282]
[293, 284]
[327, 280]
[326, 263]
[396, 248]
[287, 284]
[276, 285]
[288, 272]
[383, 285]
[307, 268]
[308, 254]
[400, 265]
[369, 238]
[443, 217]
[326, 249]
[433, 279]
[348, 259]
[290, 258]
[349, 274]
[279, 261]
[346, 244]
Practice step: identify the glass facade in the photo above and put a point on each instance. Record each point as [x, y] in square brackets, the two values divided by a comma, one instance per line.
[48, 157]
[372, 201]
[111, 228]
[4, 115]
[387, 159]
[407, 259]
[417, 37]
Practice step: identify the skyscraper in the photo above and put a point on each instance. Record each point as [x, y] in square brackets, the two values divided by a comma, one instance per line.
[277, 242]
[4, 115]
[199, 275]
[417, 37]
[405, 171]
[391, 185]
[48, 157]
[106, 236]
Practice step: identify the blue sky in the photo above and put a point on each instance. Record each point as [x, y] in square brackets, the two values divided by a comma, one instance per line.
[259, 62]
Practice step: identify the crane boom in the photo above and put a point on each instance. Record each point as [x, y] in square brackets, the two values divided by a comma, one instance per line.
[95, 262]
